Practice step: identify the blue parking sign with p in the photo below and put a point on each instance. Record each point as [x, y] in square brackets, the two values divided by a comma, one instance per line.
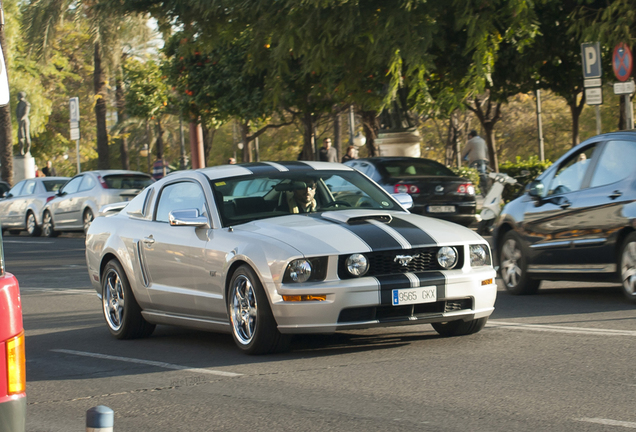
[591, 54]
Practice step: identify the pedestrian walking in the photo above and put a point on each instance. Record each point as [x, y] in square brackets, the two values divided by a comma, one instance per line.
[476, 151]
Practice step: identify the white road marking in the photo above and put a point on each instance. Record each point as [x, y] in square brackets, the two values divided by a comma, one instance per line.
[29, 242]
[58, 290]
[148, 362]
[561, 329]
[631, 425]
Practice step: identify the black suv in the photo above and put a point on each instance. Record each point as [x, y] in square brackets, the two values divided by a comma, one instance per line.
[576, 221]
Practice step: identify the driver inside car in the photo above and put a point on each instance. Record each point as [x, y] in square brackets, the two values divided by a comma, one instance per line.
[302, 198]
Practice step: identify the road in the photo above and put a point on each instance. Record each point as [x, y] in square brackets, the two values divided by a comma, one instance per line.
[558, 361]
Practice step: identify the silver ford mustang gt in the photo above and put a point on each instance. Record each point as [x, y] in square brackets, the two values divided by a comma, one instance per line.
[267, 250]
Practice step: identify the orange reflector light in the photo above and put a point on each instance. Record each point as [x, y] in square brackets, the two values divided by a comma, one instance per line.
[16, 362]
[486, 282]
[298, 298]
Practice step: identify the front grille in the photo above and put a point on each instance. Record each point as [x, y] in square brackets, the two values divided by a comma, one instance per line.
[402, 313]
[384, 262]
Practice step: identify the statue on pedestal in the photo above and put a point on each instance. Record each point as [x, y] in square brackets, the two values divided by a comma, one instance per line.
[22, 114]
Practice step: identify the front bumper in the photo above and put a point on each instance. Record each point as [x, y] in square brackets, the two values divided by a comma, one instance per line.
[366, 302]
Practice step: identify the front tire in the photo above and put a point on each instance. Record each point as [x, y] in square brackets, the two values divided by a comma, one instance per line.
[253, 326]
[48, 229]
[32, 227]
[460, 328]
[627, 266]
[121, 311]
[514, 266]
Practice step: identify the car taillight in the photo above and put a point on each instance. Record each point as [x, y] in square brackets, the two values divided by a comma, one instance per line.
[466, 189]
[50, 198]
[102, 182]
[16, 365]
[404, 188]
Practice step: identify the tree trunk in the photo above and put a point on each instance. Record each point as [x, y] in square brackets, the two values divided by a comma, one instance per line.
[99, 84]
[308, 152]
[336, 135]
[247, 147]
[371, 128]
[575, 111]
[208, 139]
[488, 119]
[489, 131]
[121, 117]
[6, 131]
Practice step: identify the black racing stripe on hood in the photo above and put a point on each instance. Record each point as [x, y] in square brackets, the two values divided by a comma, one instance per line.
[260, 168]
[390, 282]
[375, 237]
[296, 166]
[414, 234]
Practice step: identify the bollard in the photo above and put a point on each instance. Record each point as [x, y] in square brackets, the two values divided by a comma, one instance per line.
[100, 419]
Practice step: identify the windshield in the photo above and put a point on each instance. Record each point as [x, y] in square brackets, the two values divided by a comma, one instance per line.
[247, 198]
[53, 185]
[414, 168]
[127, 181]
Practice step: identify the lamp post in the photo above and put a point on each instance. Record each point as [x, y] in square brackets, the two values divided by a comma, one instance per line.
[358, 141]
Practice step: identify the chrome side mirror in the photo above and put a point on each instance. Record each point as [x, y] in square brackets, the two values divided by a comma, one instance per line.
[404, 199]
[536, 189]
[188, 217]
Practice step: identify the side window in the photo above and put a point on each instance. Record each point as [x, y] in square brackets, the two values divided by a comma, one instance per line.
[87, 184]
[571, 172]
[180, 196]
[73, 185]
[29, 187]
[15, 190]
[616, 163]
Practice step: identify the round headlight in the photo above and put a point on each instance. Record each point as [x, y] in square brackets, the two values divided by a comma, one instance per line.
[357, 265]
[447, 257]
[479, 256]
[299, 270]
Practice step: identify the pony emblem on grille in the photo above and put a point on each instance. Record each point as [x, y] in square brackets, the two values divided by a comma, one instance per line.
[404, 260]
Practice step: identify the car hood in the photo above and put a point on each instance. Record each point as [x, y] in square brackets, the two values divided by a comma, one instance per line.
[349, 231]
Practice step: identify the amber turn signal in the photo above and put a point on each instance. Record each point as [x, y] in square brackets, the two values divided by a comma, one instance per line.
[486, 282]
[299, 298]
[16, 362]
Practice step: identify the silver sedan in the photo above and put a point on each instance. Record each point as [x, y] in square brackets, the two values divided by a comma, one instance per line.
[21, 207]
[268, 250]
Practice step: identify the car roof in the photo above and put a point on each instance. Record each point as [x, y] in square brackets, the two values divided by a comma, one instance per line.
[223, 171]
[114, 172]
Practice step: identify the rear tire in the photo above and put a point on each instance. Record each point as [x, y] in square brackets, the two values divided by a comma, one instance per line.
[32, 227]
[121, 310]
[513, 266]
[48, 229]
[460, 328]
[627, 267]
[253, 325]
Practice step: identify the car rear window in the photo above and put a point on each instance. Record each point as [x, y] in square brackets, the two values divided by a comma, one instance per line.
[408, 168]
[127, 181]
[53, 185]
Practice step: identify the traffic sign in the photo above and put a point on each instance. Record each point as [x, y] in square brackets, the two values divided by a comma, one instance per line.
[74, 109]
[622, 62]
[624, 88]
[593, 82]
[75, 133]
[4, 81]
[593, 96]
[591, 54]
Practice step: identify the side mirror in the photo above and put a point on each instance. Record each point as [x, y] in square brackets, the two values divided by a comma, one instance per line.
[404, 199]
[60, 193]
[6, 195]
[536, 189]
[188, 217]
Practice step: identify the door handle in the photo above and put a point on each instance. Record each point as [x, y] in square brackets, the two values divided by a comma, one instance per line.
[149, 241]
[615, 194]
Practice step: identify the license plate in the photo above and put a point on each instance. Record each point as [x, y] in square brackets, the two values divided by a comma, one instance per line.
[441, 209]
[406, 296]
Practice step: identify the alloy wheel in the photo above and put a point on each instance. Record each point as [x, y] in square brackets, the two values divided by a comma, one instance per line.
[88, 219]
[47, 224]
[510, 265]
[31, 226]
[243, 309]
[628, 269]
[113, 300]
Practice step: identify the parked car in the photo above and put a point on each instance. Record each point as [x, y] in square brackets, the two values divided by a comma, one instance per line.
[576, 221]
[21, 208]
[436, 190]
[78, 201]
[231, 249]
[12, 357]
